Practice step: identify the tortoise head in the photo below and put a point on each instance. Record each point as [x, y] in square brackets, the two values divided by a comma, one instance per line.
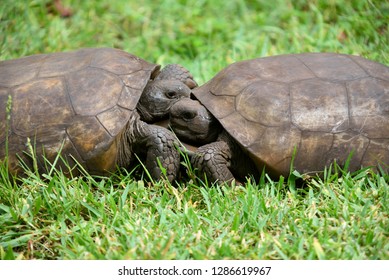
[170, 85]
[193, 123]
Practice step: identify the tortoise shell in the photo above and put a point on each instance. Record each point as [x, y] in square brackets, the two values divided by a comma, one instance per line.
[314, 108]
[74, 102]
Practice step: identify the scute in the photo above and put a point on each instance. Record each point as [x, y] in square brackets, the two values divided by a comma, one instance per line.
[226, 85]
[93, 91]
[369, 107]
[128, 98]
[276, 147]
[313, 146]
[40, 105]
[245, 130]
[19, 71]
[344, 145]
[136, 80]
[220, 106]
[120, 62]
[281, 69]
[58, 64]
[109, 119]
[373, 68]
[377, 152]
[319, 105]
[265, 102]
[89, 138]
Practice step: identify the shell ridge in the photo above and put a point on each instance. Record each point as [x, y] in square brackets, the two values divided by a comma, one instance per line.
[378, 79]
[284, 159]
[124, 108]
[365, 151]
[109, 109]
[351, 57]
[40, 66]
[291, 115]
[233, 112]
[68, 97]
[236, 102]
[101, 124]
[290, 107]
[348, 104]
[310, 70]
[107, 71]
[224, 95]
[74, 146]
[8, 65]
[129, 85]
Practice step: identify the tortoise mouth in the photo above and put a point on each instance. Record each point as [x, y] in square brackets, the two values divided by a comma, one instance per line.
[190, 133]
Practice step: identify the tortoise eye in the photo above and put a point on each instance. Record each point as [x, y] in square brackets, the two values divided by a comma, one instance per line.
[171, 94]
[188, 115]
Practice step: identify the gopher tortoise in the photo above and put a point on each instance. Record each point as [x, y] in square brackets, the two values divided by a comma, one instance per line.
[313, 108]
[91, 106]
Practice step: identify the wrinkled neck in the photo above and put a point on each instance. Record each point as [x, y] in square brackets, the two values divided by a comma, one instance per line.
[128, 138]
[144, 113]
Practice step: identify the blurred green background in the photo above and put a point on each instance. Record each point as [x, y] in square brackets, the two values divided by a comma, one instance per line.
[203, 35]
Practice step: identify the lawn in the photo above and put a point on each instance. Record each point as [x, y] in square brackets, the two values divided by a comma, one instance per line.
[340, 216]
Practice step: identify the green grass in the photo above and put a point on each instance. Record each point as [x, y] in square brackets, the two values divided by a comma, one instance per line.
[342, 216]
[114, 218]
[203, 35]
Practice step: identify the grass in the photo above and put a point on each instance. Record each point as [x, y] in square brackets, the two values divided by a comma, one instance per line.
[342, 216]
[339, 217]
[203, 35]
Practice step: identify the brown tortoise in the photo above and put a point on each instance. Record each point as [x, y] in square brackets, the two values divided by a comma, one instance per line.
[85, 105]
[322, 106]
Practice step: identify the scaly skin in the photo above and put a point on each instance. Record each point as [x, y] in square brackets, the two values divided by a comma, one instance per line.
[223, 160]
[214, 160]
[158, 144]
[161, 149]
[177, 72]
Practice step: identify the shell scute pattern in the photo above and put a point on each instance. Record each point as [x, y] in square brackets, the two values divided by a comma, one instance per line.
[324, 105]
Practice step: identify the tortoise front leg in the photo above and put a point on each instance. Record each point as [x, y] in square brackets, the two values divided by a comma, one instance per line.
[224, 161]
[160, 147]
[214, 160]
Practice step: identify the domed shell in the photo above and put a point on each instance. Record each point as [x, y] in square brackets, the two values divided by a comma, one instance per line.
[317, 107]
[74, 102]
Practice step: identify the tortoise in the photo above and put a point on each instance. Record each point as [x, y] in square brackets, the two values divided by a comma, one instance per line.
[93, 107]
[307, 109]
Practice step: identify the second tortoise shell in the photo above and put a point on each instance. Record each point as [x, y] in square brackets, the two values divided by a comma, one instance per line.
[314, 107]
